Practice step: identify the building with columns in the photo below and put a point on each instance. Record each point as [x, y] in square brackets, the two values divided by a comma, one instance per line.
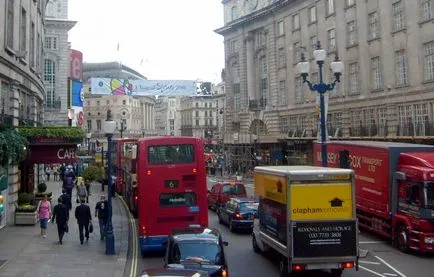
[22, 90]
[386, 89]
[56, 62]
[134, 115]
[168, 116]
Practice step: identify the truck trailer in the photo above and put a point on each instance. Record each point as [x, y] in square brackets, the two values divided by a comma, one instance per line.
[394, 188]
[307, 215]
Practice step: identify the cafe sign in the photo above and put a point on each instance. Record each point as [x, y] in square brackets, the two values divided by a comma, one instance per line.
[53, 153]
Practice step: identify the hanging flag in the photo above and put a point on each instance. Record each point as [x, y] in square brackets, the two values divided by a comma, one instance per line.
[118, 47]
[141, 62]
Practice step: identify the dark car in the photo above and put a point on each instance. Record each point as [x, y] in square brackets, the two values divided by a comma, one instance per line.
[220, 193]
[197, 248]
[239, 213]
[173, 271]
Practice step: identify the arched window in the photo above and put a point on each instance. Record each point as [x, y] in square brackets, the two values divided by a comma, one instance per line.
[50, 82]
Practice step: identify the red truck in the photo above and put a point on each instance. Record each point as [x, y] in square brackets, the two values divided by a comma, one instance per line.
[394, 188]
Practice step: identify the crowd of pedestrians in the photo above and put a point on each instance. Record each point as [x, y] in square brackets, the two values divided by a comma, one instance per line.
[60, 214]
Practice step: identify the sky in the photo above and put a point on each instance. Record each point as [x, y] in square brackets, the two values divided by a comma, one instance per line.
[162, 39]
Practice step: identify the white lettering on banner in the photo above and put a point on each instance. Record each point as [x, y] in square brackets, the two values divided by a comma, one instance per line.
[63, 154]
[355, 161]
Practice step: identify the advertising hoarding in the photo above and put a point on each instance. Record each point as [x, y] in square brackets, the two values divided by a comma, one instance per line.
[321, 201]
[271, 187]
[75, 65]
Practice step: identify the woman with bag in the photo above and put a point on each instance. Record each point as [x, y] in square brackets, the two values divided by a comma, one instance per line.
[44, 211]
[61, 216]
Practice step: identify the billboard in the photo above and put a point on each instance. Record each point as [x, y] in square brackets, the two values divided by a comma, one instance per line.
[77, 95]
[114, 86]
[76, 99]
[75, 65]
[321, 201]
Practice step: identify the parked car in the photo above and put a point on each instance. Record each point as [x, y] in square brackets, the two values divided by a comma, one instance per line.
[220, 193]
[197, 248]
[173, 271]
[239, 213]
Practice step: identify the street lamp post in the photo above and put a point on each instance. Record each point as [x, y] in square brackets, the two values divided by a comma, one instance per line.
[123, 122]
[321, 88]
[109, 129]
[88, 136]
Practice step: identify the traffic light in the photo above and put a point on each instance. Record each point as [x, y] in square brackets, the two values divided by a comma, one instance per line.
[2, 207]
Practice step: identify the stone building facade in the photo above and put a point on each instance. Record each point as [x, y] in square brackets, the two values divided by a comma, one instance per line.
[386, 89]
[21, 81]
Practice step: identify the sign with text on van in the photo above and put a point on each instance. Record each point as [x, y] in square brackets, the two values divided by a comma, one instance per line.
[271, 187]
[321, 201]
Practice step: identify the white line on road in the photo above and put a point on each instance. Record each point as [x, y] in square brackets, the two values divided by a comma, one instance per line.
[390, 274]
[368, 262]
[391, 267]
[373, 272]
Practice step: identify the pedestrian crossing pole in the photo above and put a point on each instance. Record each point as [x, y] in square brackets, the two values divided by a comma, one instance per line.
[109, 129]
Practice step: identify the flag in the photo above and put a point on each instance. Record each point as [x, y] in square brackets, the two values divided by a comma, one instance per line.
[141, 62]
[118, 47]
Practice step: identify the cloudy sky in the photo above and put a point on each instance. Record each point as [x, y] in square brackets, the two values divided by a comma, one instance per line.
[162, 39]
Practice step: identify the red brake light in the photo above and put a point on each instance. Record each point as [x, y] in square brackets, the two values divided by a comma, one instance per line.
[148, 172]
[194, 170]
[347, 265]
[297, 267]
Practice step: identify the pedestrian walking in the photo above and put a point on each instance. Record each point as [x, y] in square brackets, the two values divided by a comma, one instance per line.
[61, 216]
[66, 200]
[44, 211]
[68, 182]
[101, 212]
[82, 191]
[84, 218]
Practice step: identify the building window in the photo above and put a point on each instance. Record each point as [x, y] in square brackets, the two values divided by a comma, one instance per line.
[280, 28]
[398, 16]
[197, 122]
[401, 68]
[426, 9]
[283, 101]
[312, 14]
[38, 51]
[197, 113]
[351, 33]
[297, 52]
[264, 80]
[10, 25]
[281, 57]
[98, 124]
[260, 39]
[51, 43]
[313, 44]
[376, 78]
[298, 89]
[23, 30]
[330, 6]
[350, 3]
[353, 76]
[331, 39]
[295, 22]
[283, 125]
[32, 45]
[89, 125]
[232, 46]
[237, 96]
[374, 30]
[234, 13]
[429, 61]
[50, 82]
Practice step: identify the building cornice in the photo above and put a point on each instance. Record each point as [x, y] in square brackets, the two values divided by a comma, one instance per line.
[247, 19]
[60, 23]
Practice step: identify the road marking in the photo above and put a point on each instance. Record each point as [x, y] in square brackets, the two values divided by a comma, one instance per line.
[368, 262]
[371, 242]
[371, 271]
[133, 270]
[391, 267]
[390, 274]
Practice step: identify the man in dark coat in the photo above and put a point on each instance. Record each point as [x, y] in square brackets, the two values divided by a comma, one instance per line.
[101, 211]
[66, 200]
[84, 217]
[61, 216]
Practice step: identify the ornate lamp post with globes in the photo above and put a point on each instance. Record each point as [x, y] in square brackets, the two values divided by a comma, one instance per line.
[109, 129]
[321, 88]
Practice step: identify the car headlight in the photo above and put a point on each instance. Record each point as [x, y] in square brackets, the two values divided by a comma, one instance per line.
[429, 240]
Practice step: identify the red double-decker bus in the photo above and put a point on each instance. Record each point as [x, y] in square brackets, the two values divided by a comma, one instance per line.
[121, 161]
[169, 182]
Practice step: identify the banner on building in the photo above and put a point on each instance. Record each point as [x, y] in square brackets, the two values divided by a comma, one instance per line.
[113, 86]
[75, 65]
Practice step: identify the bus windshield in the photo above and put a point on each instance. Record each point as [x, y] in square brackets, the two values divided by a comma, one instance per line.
[429, 195]
[171, 154]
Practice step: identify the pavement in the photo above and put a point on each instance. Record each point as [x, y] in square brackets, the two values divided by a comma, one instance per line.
[23, 252]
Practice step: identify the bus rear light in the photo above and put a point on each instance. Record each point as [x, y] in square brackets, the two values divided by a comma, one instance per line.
[297, 267]
[148, 172]
[136, 197]
[347, 265]
[143, 231]
[194, 170]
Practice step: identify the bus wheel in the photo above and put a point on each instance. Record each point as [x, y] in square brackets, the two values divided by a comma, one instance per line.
[283, 267]
[402, 239]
